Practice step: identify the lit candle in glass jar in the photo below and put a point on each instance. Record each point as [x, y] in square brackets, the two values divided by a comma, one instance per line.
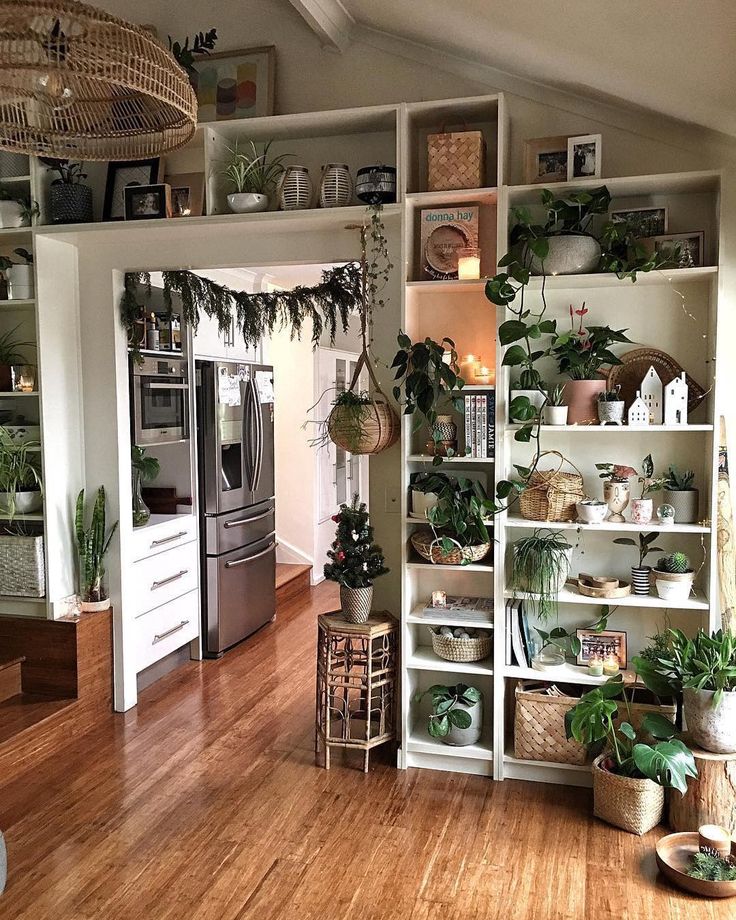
[439, 598]
[485, 375]
[468, 366]
[611, 665]
[468, 264]
[595, 666]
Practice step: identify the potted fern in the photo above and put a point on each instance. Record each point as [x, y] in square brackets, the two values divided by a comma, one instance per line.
[252, 176]
[679, 492]
[92, 545]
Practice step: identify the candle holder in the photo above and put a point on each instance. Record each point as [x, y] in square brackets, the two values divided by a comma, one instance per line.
[595, 666]
[611, 666]
[468, 263]
[469, 364]
[485, 375]
[24, 378]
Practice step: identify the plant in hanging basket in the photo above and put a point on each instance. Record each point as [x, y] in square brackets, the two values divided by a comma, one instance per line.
[362, 424]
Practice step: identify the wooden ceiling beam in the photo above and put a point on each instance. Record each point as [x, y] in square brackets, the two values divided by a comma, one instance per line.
[328, 19]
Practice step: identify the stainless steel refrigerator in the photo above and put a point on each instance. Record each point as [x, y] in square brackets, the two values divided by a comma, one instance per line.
[235, 410]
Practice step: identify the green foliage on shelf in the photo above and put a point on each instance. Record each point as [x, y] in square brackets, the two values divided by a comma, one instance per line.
[677, 481]
[446, 709]
[147, 467]
[643, 542]
[251, 170]
[462, 510]
[582, 352]
[20, 468]
[540, 564]
[677, 563]
[185, 55]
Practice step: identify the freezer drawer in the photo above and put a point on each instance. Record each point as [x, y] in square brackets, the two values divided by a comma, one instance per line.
[228, 531]
[240, 594]
[160, 632]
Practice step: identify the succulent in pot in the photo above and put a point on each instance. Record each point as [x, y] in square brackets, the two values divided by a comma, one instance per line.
[611, 407]
[540, 566]
[641, 574]
[70, 200]
[555, 410]
[680, 493]
[629, 776]
[355, 560]
[703, 668]
[456, 716]
[581, 353]
[92, 546]
[673, 577]
[252, 176]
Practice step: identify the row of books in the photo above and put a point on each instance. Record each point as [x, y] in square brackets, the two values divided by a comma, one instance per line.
[480, 422]
[519, 635]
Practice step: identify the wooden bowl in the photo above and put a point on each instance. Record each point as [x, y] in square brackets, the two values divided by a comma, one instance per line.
[620, 589]
[673, 858]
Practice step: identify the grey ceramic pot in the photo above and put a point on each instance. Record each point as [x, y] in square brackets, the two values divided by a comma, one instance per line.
[713, 728]
[461, 737]
[570, 254]
[686, 504]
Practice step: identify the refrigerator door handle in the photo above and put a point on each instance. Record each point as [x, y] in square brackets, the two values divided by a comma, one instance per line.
[243, 521]
[264, 552]
[249, 457]
[258, 417]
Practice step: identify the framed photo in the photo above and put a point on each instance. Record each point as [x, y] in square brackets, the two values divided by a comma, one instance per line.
[147, 202]
[650, 221]
[545, 159]
[187, 194]
[691, 244]
[235, 84]
[122, 174]
[584, 156]
[603, 644]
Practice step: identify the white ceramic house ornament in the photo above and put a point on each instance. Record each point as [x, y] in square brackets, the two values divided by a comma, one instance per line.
[651, 393]
[638, 412]
[675, 401]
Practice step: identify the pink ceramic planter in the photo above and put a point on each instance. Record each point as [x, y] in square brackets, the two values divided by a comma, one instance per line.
[642, 510]
[581, 399]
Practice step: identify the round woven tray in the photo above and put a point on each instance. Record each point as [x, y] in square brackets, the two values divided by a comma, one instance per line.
[634, 366]
[428, 547]
[453, 649]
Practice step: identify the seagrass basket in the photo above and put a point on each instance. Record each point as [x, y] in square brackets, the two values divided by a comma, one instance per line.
[456, 159]
[634, 805]
[429, 547]
[552, 495]
[375, 430]
[22, 569]
[452, 648]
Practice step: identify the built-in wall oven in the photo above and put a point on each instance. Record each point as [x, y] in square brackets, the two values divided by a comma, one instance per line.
[160, 399]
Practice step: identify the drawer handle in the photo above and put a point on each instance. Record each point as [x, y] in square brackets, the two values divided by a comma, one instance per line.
[234, 562]
[243, 521]
[167, 581]
[176, 536]
[159, 637]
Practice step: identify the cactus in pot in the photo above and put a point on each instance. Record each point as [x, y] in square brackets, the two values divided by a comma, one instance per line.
[92, 545]
[673, 577]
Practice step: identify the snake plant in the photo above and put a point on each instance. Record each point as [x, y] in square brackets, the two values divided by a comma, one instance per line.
[92, 544]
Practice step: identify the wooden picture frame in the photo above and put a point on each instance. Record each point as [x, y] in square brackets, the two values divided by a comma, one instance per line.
[147, 202]
[693, 240]
[607, 642]
[580, 151]
[235, 84]
[122, 173]
[187, 194]
[654, 221]
[545, 160]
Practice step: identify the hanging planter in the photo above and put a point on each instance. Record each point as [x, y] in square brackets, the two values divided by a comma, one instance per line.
[360, 423]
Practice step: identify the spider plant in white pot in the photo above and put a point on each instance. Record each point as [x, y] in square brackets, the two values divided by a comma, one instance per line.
[20, 476]
[252, 176]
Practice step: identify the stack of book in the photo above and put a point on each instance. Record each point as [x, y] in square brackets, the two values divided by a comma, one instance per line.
[519, 638]
[480, 421]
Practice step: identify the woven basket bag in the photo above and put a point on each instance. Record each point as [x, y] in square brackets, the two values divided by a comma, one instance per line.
[452, 648]
[552, 495]
[455, 159]
[635, 805]
[379, 427]
[428, 546]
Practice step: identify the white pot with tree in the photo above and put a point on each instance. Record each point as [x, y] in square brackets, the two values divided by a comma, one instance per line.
[19, 275]
[252, 176]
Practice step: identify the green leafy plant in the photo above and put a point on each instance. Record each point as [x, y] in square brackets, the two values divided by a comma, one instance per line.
[582, 352]
[462, 510]
[185, 55]
[70, 172]
[26, 258]
[540, 564]
[10, 345]
[446, 708]
[677, 481]
[252, 170]
[705, 662]
[567, 640]
[644, 543]
[591, 721]
[28, 207]
[659, 644]
[19, 468]
[355, 559]
[92, 546]
[647, 480]
[616, 472]
[610, 395]
[623, 252]
[677, 563]
[710, 866]
[556, 395]
[148, 467]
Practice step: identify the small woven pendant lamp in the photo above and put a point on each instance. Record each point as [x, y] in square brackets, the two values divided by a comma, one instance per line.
[80, 84]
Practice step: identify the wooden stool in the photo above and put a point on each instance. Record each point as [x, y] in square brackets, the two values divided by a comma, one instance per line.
[356, 683]
[710, 798]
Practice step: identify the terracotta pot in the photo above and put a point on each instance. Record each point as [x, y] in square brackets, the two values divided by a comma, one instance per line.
[581, 399]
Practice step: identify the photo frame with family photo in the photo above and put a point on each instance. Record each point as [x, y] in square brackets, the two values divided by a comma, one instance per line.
[648, 221]
[545, 160]
[584, 156]
[692, 247]
[604, 643]
[147, 202]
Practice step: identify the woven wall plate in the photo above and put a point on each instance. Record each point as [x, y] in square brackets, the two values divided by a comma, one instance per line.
[630, 373]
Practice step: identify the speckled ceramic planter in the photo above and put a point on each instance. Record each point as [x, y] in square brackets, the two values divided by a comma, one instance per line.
[712, 727]
[570, 254]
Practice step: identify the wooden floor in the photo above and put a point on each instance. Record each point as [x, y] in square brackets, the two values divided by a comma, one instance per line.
[204, 803]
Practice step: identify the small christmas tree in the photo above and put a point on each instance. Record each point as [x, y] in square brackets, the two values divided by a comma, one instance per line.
[355, 559]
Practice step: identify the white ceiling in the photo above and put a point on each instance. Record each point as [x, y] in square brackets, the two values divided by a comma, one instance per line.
[677, 57]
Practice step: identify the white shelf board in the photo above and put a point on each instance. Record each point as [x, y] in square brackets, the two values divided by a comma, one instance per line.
[565, 674]
[15, 231]
[546, 771]
[330, 123]
[616, 429]
[569, 596]
[609, 279]
[471, 567]
[9, 180]
[428, 458]
[453, 197]
[12, 394]
[22, 517]
[624, 186]
[424, 659]
[416, 617]
[18, 304]
[612, 526]
[421, 742]
[452, 286]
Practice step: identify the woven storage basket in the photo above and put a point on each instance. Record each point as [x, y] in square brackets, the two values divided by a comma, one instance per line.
[635, 805]
[455, 160]
[539, 724]
[22, 571]
[552, 495]
[451, 648]
[428, 547]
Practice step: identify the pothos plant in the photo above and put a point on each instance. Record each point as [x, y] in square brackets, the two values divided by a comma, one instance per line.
[449, 707]
[565, 639]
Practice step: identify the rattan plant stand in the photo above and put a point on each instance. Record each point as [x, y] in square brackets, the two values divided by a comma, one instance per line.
[356, 684]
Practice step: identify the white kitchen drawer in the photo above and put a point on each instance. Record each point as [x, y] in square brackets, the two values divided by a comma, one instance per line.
[161, 578]
[165, 629]
[162, 533]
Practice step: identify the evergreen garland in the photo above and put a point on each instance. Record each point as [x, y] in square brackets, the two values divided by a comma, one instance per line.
[356, 559]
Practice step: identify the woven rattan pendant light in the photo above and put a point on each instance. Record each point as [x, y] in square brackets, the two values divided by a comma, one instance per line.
[77, 83]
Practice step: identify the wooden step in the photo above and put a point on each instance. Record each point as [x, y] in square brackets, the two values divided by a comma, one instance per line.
[26, 711]
[10, 684]
[292, 582]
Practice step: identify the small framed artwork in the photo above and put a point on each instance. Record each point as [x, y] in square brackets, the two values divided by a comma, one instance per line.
[187, 194]
[648, 221]
[545, 159]
[147, 202]
[235, 84]
[584, 156]
[605, 643]
[691, 247]
[120, 175]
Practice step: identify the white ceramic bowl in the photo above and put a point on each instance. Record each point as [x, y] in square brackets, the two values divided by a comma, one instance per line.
[592, 513]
